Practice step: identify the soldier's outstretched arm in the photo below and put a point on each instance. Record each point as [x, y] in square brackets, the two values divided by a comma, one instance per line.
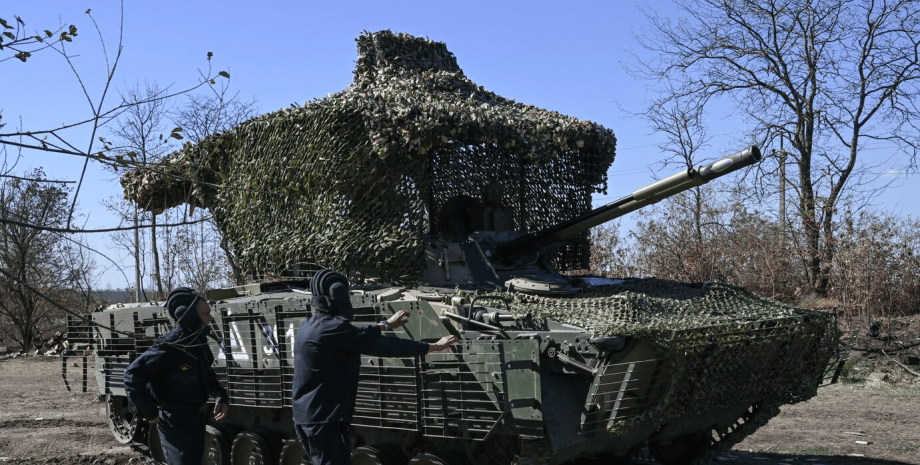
[442, 344]
[397, 319]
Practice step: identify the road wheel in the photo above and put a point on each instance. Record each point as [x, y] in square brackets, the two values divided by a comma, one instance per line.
[123, 420]
[254, 448]
[293, 453]
[380, 454]
[438, 458]
[217, 442]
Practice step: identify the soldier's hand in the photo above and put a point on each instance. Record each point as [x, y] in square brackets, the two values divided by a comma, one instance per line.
[154, 421]
[220, 411]
[442, 344]
[398, 319]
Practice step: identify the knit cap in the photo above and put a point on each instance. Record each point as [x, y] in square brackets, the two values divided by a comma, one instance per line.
[330, 293]
[180, 302]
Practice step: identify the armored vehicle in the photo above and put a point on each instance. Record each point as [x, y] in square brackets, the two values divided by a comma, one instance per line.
[460, 207]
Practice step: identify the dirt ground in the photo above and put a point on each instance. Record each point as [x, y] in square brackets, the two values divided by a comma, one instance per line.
[855, 422]
[860, 420]
[40, 422]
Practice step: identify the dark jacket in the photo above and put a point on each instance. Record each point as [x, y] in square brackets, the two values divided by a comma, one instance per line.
[327, 352]
[174, 374]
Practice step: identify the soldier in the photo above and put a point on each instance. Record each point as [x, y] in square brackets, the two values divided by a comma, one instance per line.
[170, 383]
[327, 352]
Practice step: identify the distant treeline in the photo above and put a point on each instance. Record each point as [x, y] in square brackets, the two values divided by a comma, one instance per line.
[874, 258]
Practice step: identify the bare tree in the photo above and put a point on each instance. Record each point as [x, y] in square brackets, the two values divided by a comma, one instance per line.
[79, 137]
[675, 239]
[826, 75]
[212, 113]
[140, 131]
[751, 255]
[609, 255]
[61, 139]
[190, 253]
[682, 124]
[133, 240]
[200, 263]
[80, 277]
[201, 116]
[30, 256]
[877, 269]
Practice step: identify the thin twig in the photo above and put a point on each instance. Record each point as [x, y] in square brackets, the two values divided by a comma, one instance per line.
[84, 231]
[53, 181]
[901, 365]
[97, 109]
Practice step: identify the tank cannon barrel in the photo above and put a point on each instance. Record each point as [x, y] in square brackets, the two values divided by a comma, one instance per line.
[640, 198]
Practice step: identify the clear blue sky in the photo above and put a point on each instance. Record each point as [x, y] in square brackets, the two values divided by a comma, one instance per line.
[562, 56]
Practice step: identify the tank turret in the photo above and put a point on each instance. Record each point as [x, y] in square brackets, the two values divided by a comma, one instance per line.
[478, 249]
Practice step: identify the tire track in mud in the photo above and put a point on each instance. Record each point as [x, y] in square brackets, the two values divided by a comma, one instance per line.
[30, 423]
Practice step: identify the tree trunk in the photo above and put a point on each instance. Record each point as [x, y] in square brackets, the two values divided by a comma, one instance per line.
[237, 272]
[156, 257]
[814, 259]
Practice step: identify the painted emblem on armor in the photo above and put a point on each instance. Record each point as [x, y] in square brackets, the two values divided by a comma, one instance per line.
[185, 367]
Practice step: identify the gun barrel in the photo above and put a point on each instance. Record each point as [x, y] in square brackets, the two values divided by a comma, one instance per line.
[642, 197]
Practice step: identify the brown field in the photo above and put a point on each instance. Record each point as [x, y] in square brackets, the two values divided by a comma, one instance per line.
[40, 422]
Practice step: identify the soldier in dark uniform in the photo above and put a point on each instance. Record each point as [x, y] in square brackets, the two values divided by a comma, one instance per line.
[170, 383]
[327, 352]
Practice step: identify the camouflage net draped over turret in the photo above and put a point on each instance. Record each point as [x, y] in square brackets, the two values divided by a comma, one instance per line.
[722, 345]
[353, 181]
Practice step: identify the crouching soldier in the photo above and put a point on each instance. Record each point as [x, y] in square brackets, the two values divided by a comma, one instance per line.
[170, 383]
[327, 356]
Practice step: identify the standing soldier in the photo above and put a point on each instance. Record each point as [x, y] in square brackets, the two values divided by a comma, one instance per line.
[327, 352]
[170, 383]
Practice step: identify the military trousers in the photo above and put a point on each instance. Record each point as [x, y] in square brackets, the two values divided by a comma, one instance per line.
[326, 443]
[182, 436]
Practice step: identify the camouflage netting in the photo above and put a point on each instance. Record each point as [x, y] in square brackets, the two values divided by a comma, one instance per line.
[353, 181]
[723, 345]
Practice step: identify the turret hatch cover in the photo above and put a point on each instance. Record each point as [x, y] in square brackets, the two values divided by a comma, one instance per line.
[540, 284]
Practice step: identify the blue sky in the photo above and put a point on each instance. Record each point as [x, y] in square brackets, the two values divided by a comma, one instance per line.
[562, 56]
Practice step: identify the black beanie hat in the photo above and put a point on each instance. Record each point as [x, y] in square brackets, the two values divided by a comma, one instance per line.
[330, 293]
[323, 280]
[180, 300]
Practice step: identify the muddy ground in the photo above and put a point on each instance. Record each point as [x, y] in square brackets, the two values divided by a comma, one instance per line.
[855, 422]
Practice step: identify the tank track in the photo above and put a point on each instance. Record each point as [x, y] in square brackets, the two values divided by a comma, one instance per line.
[144, 452]
[752, 420]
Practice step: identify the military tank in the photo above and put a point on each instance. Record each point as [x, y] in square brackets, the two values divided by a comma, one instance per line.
[462, 208]
[683, 369]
